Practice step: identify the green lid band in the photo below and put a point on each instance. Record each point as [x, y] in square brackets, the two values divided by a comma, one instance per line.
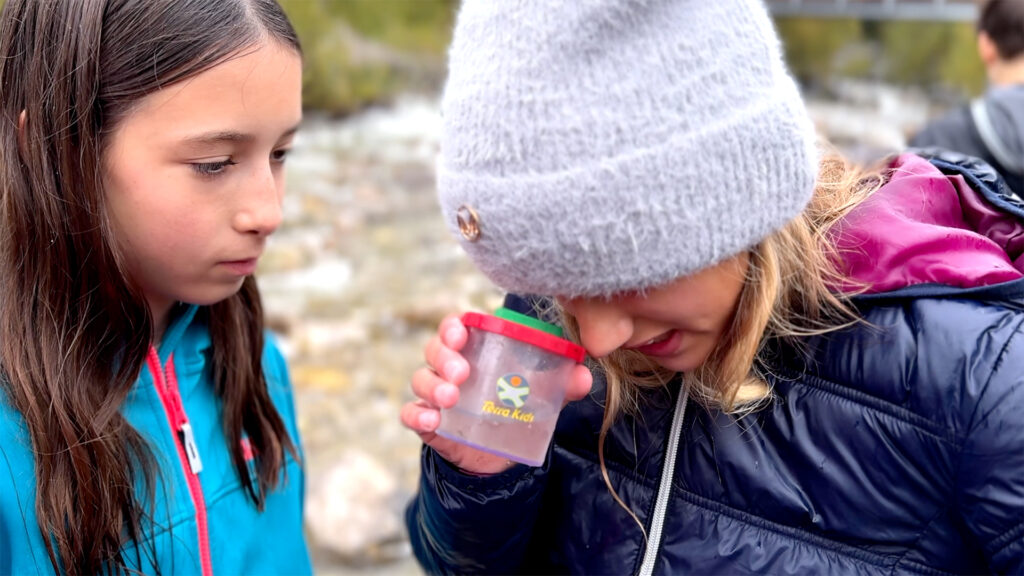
[530, 321]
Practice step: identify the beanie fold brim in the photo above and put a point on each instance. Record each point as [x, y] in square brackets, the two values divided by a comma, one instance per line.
[643, 219]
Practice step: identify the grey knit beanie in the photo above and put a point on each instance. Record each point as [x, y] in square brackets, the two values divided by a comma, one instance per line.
[595, 146]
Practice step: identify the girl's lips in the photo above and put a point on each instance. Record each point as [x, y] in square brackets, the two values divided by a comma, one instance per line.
[665, 345]
[241, 267]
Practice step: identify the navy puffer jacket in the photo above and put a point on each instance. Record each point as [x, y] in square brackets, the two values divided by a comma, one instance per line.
[896, 447]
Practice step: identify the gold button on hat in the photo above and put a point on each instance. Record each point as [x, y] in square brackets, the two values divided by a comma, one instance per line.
[469, 222]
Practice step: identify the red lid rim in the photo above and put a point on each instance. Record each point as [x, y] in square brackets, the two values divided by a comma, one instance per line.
[532, 336]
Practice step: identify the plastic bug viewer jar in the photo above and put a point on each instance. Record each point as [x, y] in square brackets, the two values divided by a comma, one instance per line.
[518, 369]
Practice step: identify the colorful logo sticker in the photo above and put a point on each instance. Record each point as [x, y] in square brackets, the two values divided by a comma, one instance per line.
[513, 390]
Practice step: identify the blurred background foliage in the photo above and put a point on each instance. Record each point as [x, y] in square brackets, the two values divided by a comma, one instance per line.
[362, 52]
[938, 56]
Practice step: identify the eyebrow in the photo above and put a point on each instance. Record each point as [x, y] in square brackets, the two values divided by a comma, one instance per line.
[230, 136]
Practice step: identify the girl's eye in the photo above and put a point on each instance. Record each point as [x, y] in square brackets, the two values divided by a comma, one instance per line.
[279, 155]
[212, 168]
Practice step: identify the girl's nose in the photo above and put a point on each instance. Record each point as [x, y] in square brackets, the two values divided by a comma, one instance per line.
[604, 326]
[261, 212]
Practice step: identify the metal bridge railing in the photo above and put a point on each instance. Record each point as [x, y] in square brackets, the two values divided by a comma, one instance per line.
[939, 10]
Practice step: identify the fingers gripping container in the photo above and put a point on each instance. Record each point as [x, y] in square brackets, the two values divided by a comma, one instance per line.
[518, 370]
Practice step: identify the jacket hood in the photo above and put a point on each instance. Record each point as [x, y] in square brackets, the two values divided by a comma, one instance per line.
[927, 227]
[1006, 107]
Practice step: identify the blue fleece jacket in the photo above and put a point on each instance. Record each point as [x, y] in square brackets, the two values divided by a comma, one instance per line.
[203, 521]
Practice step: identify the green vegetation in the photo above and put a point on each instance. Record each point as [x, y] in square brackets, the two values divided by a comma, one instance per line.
[362, 51]
[408, 25]
[812, 46]
[925, 54]
[961, 66]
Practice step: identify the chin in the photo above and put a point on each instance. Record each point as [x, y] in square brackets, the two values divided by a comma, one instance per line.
[682, 362]
[679, 367]
[211, 297]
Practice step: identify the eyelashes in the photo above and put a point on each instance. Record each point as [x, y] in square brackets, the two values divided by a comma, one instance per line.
[281, 155]
[212, 169]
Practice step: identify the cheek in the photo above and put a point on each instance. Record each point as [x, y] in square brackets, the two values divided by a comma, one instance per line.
[156, 201]
[130, 195]
[149, 229]
[727, 305]
[699, 316]
[722, 295]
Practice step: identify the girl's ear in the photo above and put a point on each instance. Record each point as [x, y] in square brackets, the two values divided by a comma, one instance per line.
[987, 50]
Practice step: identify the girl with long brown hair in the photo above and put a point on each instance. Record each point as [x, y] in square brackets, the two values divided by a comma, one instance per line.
[796, 366]
[146, 421]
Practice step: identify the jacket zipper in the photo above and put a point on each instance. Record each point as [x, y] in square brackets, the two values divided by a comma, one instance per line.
[668, 470]
[166, 384]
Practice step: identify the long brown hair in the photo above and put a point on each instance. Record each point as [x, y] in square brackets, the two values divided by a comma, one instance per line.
[788, 294]
[74, 327]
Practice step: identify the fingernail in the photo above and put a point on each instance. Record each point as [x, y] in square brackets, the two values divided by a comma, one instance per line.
[429, 421]
[452, 334]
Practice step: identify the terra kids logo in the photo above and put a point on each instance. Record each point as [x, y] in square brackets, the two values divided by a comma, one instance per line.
[513, 390]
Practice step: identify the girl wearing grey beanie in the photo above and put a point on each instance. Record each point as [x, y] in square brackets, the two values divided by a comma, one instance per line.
[794, 366]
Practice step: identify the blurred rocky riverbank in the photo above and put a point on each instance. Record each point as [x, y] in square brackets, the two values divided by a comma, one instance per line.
[356, 280]
[362, 271]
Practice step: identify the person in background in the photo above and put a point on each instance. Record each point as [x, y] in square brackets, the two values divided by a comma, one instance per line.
[991, 127]
[147, 424]
[798, 367]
